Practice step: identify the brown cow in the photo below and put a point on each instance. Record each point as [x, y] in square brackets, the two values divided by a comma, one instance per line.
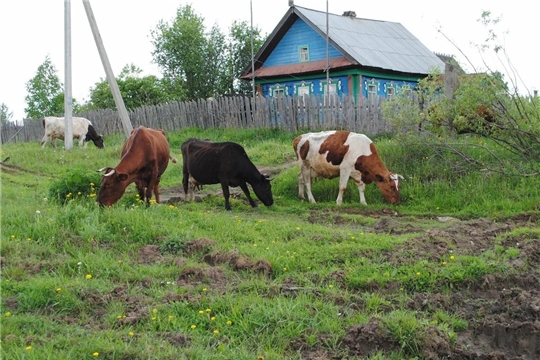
[145, 157]
[330, 154]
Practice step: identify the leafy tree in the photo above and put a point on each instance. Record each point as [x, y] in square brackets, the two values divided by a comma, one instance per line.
[485, 109]
[240, 54]
[136, 91]
[45, 96]
[179, 51]
[5, 114]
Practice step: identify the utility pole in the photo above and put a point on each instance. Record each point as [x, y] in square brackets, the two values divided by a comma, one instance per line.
[327, 54]
[68, 100]
[252, 56]
[108, 70]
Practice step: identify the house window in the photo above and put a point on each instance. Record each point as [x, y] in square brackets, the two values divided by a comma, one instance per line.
[303, 89]
[372, 90]
[278, 90]
[390, 92]
[303, 53]
[332, 89]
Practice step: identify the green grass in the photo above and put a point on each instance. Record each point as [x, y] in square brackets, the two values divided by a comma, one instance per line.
[76, 281]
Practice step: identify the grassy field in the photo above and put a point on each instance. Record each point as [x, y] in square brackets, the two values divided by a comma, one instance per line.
[452, 272]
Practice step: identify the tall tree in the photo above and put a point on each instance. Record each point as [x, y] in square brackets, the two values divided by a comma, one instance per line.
[240, 53]
[136, 91]
[180, 51]
[215, 65]
[5, 114]
[45, 96]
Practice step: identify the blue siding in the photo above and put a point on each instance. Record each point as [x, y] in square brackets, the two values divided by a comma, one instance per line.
[300, 33]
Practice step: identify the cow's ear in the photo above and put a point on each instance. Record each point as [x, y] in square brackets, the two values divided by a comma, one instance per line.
[122, 176]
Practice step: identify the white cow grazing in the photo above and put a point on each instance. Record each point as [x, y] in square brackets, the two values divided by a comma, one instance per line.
[330, 154]
[82, 129]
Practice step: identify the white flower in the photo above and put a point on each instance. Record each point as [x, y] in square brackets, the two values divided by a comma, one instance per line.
[38, 212]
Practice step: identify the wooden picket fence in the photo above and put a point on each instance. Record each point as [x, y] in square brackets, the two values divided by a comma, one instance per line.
[309, 113]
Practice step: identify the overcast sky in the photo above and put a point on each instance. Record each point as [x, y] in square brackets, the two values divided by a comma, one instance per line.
[32, 29]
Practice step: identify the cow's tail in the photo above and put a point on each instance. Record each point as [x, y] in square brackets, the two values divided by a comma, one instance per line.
[43, 122]
[173, 159]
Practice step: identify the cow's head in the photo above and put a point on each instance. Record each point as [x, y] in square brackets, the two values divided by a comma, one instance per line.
[93, 136]
[99, 142]
[113, 185]
[263, 189]
[389, 186]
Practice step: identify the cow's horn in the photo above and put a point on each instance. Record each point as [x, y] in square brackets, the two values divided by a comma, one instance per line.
[100, 170]
[267, 176]
[110, 173]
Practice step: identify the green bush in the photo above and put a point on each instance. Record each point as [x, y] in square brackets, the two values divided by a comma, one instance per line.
[76, 184]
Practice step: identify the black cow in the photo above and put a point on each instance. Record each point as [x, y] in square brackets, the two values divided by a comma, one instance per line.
[226, 163]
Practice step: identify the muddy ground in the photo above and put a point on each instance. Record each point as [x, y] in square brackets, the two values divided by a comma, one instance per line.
[502, 311]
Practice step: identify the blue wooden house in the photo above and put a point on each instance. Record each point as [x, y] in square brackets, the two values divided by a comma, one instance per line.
[365, 57]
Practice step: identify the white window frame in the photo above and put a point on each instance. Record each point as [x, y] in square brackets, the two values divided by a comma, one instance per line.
[303, 53]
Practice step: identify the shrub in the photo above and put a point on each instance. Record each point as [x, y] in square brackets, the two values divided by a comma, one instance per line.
[76, 184]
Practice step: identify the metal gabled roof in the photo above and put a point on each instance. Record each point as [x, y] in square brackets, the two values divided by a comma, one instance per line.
[368, 43]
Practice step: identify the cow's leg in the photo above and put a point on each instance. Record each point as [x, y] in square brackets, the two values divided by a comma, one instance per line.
[81, 141]
[188, 192]
[44, 141]
[156, 189]
[226, 195]
[306, 175]
[53, 142]
[301, 183]
[343, 179]
[357, 177]
[248, 195]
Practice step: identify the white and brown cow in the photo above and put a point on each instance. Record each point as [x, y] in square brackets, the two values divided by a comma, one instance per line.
[55, 128]
[330, 154]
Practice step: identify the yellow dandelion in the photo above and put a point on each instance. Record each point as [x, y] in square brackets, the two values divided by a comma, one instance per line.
[267, 248]
[170, 317]
[418, 273]
[29, 347]
[154, 318]
[208, 310]
[96, 354]
[7, 313]
[201, 312]
[204, 289]
[452, 257]
[255, 245]
[29, 239]
[260, 357]
[309, 267]
[171, 206]
[131, 333]
[444, 262]
[298, 228]
[13, 236]
[58, 289]
[213, 318]
[88, 276]
[68, 195]
[330, 286]
[119, 317]
[154, 310]
[79, 193]
[229, 322]
[193, 326]
[91, 184]
[284, 269]
[216, 331]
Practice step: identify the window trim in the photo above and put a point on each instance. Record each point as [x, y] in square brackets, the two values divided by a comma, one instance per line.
[300, 53]
[281, 89]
